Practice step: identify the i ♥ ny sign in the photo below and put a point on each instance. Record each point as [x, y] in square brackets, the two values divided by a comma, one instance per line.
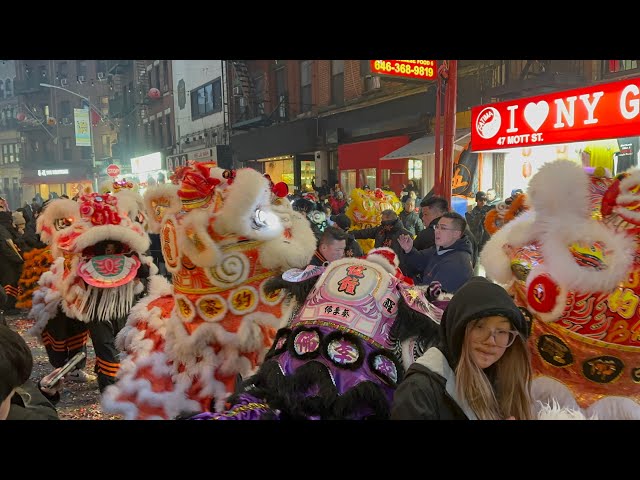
[609, 110]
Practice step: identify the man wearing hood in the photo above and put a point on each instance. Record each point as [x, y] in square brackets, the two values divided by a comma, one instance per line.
[11, 258]
[386, 234]
[449, 262]
[479, 367]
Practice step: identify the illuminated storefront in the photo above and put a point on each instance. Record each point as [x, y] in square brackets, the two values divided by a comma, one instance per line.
[55, 182]
[595, 126]
[147, 170]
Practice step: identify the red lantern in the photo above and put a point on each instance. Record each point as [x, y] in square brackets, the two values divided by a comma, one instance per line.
[154, 93]
[51, 121]
[20, 117]
[526, 169]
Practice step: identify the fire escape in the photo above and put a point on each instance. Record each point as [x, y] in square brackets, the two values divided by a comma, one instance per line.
[248, 110]
[523, 78]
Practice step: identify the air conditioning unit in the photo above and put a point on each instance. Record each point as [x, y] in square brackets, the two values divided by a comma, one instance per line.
[372, 82]
[243, 102]
[81, 78]
[237, 91]
[64, 82]
[101, 76]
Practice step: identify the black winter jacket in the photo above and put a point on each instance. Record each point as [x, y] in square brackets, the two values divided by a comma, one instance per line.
[428, 390]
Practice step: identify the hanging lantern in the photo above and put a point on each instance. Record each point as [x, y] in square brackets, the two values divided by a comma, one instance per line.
[154, 93]
[20, 117]
[526, 169]
[51, 121]
[526, 151]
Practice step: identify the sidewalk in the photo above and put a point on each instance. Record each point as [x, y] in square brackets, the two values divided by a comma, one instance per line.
[79, 401]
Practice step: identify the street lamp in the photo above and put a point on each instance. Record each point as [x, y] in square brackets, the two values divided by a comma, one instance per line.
[91, 106]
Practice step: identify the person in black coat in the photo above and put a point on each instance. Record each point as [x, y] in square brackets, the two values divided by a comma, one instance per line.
[479, 367]
[353, 248]
[386, 234]
[20, 399]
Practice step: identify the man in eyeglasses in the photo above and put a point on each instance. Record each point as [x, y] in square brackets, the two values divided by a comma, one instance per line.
[449, 262]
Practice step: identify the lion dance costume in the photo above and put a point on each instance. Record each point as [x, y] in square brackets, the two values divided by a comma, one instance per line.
[358, 326]
[365, 210]
[95, 278]
[223, 234]
[573, 263]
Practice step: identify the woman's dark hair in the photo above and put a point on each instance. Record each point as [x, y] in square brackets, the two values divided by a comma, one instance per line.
[16, 361]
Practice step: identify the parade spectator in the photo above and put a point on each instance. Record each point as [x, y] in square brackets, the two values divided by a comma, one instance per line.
[338, 202]
[20, 399]
[410, 219]
[433, 207]
[330, 247]
[448, 262]
[475, 220]
[353, 248]
[386, 234]
[479, 367]
[492, 197]
[11, 260]
[323, 191]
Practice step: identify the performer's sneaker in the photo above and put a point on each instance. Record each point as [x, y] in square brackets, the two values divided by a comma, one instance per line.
[80, 376]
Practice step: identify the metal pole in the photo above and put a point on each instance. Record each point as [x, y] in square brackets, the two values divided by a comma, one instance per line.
[437, 166]
[449, 129]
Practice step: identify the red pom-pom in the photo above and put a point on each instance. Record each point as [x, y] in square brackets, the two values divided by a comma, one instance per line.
[543, 293]
[280, 189]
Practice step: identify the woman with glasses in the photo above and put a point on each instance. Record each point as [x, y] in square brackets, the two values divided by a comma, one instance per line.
[479, 368]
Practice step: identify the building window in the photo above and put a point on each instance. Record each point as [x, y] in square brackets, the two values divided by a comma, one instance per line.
[367, 177]
[106, 145]
[66, 149]
[160, 134]
[5, 154]
[17, 149]
[415, 170]
[152, 129]
[63, 70]
[81, 70]
[104, 106]
[101, 66]
[616, 66]
[258, 83]
[348, 181]
[207, 99]
[305, 85]
[167, 121]
[165, 75]
[337, 82]
[65, 108]
[8, 90]
[281, 92]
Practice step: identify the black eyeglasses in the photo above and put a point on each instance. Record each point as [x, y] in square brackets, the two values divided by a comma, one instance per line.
[437, 226]
[503, 338]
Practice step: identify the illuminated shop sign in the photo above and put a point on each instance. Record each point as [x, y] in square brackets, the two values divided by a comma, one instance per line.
[146, 163]
[610, 110]
[422, 69]
[46, 173]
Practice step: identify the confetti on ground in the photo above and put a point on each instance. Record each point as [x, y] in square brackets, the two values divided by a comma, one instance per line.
[79, 401]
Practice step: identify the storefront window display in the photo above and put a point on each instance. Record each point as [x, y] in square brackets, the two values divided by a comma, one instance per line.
[282, 171]
[307, 175]
[348, 181]
[367, 177]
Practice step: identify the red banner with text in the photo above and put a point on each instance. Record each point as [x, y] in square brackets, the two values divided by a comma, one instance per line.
[608, 110]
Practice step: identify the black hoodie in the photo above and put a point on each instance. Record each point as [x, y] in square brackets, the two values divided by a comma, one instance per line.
[428, 389]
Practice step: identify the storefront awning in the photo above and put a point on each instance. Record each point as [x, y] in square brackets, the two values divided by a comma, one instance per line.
[427, 145]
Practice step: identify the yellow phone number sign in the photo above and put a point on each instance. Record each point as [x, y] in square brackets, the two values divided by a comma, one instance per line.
[421, 69]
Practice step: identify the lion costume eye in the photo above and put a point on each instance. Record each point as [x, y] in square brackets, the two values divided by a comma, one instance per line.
[62, 223]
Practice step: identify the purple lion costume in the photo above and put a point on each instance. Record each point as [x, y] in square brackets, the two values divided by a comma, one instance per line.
[358, 324]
